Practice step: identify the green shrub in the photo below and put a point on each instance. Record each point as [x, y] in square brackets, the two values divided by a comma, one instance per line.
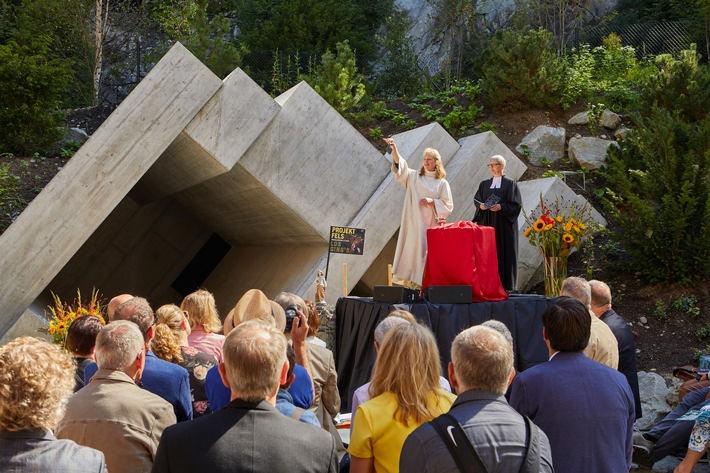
[658, 193]
[681, 84]
[661, 311]
[400, 74]
[31, 85]
[337, 79]
[522, 70]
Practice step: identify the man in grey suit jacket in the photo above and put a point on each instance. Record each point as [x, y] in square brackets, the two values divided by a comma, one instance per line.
[249, 434]
[585, 408]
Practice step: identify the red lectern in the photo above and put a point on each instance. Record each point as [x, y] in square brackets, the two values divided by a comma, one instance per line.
[463, 253]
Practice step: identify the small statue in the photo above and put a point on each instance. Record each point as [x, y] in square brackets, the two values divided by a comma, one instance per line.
[321, 284]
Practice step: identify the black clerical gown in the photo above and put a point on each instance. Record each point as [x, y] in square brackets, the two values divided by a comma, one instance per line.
[505, 223]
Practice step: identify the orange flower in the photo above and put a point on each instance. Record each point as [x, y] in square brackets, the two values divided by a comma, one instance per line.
[567, 238]
[559, 219]
[539, 225]
[548, 227]
[527, 232]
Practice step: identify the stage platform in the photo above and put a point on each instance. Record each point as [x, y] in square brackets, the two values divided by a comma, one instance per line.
[357, 317]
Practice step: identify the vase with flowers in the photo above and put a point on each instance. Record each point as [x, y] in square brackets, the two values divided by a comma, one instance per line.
[62, 314]
[556, 230]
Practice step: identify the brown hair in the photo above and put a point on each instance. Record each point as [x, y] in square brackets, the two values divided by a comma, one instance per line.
[313, 319]
[483, 359]
[81, 334]
[408, 366]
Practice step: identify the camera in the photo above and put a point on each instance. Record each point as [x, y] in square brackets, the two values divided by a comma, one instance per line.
[290, 315]
[389, 149]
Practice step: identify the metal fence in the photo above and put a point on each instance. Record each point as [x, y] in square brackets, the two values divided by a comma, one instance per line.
[652, 38]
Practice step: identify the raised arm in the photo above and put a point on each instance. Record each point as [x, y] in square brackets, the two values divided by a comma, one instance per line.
[395, 153]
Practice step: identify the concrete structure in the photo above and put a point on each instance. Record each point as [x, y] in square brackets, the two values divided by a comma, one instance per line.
[196, 182]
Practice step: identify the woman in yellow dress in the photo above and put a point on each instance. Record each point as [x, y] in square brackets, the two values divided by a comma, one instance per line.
[404, 392]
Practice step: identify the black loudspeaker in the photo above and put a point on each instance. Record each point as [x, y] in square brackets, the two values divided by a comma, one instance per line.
[449, 294]
[395, 294]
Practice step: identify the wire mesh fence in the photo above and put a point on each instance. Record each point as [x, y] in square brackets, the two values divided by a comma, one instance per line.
[652, 38]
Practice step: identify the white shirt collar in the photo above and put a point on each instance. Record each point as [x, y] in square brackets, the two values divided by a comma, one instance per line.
[496, 182]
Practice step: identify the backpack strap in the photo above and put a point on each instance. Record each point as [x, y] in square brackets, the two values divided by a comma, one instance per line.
[297, 413]
[457, 442]
[531, 464]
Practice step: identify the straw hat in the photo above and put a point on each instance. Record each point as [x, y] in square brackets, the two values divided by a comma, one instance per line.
[255, 305]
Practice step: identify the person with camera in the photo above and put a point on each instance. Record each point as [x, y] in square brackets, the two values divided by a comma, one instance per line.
[427, 203]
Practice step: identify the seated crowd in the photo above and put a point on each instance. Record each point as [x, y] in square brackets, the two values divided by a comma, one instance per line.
[176, 390]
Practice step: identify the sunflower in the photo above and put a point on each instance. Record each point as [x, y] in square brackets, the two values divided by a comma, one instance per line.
[559, 219]
[539, 225]
[527, 232]
[548, 227]
[567, 238]
[567, 226]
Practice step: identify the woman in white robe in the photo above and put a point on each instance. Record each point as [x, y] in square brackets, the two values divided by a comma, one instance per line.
[426, 203]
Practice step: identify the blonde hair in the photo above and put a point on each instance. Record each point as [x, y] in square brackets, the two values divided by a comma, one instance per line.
[483, 359]
[408, 366]
[201, 310]
[169, 324]
[403, 314]
[440, 172]
[254, 354]
[36, 379]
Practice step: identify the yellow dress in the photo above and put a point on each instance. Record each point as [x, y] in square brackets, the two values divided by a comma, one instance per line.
[378, 434]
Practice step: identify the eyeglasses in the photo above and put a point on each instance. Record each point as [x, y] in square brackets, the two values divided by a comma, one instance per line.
[491, 165]
[140, 353]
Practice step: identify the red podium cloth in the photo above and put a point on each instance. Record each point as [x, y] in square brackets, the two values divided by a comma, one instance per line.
[463, 253]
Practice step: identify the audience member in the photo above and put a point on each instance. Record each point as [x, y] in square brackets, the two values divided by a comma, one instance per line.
[111, 413]
[481, 369]
[171, 344]
[671, 434]
[313, 324]
[114, 303]
[167, 380]
[36, 378]
[362, 394]
[403, 314]
[601, 307]
[81, 339]
[204, 320]
[404, 394]
[697, 446]
[249, 434]
[284, 400]
[602, 346]
[585, 408]
[326, 400]
[254, 305]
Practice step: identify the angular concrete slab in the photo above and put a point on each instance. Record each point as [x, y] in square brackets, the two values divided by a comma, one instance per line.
[65, 214]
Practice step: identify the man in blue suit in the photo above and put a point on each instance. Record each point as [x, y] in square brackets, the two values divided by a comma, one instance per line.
[585, 408]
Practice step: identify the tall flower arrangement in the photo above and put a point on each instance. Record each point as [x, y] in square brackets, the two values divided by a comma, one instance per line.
[556, 230]
[62, 314]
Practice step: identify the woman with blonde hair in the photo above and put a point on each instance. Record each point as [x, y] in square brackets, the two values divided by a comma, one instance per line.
[427, 203]
[202, 315]
[404, 392]
[170, 343]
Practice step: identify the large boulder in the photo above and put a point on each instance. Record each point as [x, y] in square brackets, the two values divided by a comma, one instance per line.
[589, 152]
[654, 399]
[609, 119]
[544, 142]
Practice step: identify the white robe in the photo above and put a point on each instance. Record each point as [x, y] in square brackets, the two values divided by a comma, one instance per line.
[410, 256]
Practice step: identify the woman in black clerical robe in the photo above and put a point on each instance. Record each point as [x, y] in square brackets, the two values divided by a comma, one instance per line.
[498, 205]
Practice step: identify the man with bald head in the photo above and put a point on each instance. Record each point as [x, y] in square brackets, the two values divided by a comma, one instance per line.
[602, 346]
[167, 380]
[114, 303]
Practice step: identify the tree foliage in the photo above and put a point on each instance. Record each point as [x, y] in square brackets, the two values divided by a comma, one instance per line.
[522, 69]
[31, 87]
[399, 74]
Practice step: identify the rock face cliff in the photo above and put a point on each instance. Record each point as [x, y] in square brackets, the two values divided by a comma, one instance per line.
[429, 36]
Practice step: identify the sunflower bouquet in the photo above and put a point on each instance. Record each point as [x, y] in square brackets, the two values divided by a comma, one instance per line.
[62, 314]
[556, 231]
